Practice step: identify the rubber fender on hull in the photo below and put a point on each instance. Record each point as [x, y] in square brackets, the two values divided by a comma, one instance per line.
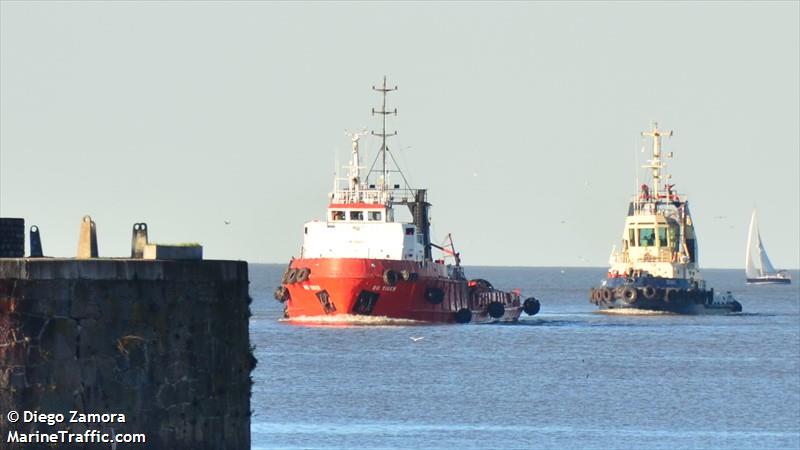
[285, 277]
[607, 294]
[434, 295]
[463, 315]
[629, 294]
[405, 275]
[389, 277]
[291, 277]
[737, 307]
[496, 310]
[281, 294]
[303, 274]
[531, 306]
[649, 292]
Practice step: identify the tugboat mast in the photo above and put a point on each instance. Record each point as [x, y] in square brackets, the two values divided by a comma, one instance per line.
[384, 90]
[656, 164]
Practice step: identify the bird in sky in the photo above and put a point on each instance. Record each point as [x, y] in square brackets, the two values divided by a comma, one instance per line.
[227, 222]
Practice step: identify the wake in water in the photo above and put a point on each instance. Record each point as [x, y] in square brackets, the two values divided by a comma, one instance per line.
[634, 312]
[350, 320]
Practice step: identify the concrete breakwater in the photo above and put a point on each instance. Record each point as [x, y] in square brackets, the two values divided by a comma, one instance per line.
[165, 343]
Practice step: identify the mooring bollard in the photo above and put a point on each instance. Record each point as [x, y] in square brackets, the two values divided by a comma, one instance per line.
[139, 240]
[87, 241]
[36, 242]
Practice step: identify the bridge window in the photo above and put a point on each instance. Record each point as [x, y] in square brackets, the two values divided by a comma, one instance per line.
[647, 237]
[632, 236]
[673, 232]
[374, 215]
[409, 231]
[662, 236]
[356, 215]
[337, 215]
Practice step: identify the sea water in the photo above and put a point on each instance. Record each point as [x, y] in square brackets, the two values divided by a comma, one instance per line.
[567, 378]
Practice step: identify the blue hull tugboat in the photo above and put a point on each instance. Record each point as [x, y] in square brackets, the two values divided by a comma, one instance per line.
[657, 267]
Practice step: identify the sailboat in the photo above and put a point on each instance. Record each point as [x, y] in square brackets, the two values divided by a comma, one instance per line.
[758, 267]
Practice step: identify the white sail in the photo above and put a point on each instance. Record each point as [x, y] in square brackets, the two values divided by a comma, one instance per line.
[749, 266]
[758, 263]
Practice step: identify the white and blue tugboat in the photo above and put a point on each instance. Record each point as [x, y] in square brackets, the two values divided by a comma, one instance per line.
[657, 267]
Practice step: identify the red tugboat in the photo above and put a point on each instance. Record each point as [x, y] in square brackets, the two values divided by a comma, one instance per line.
[364, 260]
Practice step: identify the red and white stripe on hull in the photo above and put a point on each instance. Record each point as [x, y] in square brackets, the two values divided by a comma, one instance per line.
[356, 286]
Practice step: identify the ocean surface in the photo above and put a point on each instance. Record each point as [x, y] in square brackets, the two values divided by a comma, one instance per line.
[567, 378]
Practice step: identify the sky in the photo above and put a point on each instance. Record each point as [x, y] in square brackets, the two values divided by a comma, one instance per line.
[522, 119]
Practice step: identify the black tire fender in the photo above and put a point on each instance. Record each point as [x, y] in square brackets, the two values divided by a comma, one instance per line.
[389, 277]
[630, 294]
[531, 306]
[434, 295]
[496, 310]
[281, 294]
[649, 292]
[302, 274]
[291, 277]
[463, 315]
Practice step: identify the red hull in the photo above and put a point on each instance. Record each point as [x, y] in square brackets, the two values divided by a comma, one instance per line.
[418, 291]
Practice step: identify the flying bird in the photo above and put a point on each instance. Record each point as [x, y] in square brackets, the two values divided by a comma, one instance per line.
[416, 338]
[227, 222]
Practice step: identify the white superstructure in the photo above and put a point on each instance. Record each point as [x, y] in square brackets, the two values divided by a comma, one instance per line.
[360, 219]
[658, 238]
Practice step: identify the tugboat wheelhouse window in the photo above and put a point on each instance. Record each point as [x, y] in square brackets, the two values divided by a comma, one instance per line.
[647, 237]
[672, 233]
[337, 215]
[632, 236]
[374, 216]
[356, 215]
[662, 236]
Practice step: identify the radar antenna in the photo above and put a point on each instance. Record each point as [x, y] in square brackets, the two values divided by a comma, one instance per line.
[355, 165]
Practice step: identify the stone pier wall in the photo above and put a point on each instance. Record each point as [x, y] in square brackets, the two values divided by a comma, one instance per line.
[164, 342]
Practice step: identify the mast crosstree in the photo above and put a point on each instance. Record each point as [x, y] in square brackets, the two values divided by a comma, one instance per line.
[656, 164]
[383, 134]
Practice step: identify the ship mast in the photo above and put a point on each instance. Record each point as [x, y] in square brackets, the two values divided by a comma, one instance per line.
[383, 112]
[656, 164]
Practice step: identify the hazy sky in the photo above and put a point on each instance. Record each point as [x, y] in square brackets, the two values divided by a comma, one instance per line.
[522, 119]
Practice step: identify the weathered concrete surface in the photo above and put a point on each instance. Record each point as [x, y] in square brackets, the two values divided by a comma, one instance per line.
[164, 342]
[161, 251]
